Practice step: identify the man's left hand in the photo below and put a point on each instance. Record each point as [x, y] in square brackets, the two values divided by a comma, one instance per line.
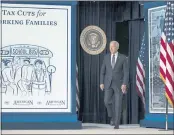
[123, 88]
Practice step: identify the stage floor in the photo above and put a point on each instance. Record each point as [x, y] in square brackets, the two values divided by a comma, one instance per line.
[89, 128]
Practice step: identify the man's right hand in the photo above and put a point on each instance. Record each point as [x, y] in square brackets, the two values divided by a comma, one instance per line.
[102, 86]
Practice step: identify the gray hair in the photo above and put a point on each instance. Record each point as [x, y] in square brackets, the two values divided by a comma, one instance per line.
[116, 43]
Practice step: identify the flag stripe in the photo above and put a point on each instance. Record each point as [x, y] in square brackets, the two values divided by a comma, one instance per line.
[169, 78]
[169, 84]
[169, 94]
[77, 91]
[169, 63]
[163, 58]
[140, 80]
[169, 99]
[162, 72]
[139, 85]
[140, 67]
[163, 64]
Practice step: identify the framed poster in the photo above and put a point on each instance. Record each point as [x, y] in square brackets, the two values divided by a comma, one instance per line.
[157, 100]
[36, 58]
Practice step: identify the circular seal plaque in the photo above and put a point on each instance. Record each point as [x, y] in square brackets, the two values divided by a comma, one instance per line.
[93, 40]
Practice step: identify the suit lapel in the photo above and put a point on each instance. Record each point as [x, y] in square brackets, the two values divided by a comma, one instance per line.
[109, 60]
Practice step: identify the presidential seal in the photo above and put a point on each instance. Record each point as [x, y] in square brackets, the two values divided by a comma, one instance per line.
[93, 40]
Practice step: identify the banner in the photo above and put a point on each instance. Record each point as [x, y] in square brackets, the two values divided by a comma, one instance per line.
[36, 58]
[157, 99]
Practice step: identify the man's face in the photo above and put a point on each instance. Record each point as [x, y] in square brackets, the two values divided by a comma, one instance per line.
[9, 64]
[26, 63]
[38, 65]
[16, 60]
[113, 48]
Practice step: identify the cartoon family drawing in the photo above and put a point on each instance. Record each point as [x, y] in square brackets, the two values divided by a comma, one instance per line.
[25, 77]
[7, 76]
[158, 26]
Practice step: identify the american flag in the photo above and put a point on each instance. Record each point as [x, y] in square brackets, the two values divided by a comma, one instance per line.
[140, 72]
[167, 53]
[77, 91]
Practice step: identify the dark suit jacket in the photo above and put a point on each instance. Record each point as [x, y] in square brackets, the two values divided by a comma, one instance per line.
[119, 75]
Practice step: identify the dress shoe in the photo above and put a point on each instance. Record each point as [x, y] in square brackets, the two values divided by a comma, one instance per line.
[116, 127]
[111, 123]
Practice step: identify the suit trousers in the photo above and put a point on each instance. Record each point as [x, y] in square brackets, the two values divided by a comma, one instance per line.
[113, 102]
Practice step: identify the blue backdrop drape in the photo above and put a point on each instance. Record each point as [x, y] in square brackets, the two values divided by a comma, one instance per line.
[106, 14]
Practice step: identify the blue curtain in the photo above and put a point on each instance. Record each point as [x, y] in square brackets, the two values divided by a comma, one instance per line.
[106, 14]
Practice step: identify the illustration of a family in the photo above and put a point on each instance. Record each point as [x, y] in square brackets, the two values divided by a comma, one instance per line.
[158, 26]
[27, 78]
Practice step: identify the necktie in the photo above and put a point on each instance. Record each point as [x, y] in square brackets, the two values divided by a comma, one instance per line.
[113, 61]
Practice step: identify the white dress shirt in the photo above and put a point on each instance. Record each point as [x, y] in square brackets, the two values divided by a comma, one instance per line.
[116, 55]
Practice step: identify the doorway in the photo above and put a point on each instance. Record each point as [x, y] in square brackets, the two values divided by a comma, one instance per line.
[122, 36]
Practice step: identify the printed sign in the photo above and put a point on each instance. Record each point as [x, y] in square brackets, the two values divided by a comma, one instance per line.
[157, 101]
[36, 58]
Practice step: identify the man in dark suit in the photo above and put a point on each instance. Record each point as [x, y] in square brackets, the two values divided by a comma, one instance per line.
[114, 80]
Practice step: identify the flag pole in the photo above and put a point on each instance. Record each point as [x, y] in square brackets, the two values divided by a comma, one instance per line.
[166, 114]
